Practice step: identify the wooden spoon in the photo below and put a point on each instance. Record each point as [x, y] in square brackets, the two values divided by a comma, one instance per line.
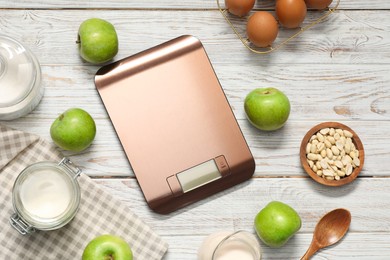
[329, 230]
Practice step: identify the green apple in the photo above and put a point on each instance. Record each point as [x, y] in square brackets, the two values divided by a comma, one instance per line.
[276, 223]
[107, 247]
[97, 40]
[267, 108]
[73, 130]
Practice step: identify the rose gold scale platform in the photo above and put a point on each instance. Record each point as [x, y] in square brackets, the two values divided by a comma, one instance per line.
[175, 124]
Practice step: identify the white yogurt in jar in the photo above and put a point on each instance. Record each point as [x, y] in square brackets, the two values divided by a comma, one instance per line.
[45, 196]
[46, 193]
[225, 245]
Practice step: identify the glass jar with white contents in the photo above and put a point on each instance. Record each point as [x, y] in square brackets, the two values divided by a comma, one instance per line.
[45, 196]
[20, 79]
[226, 245]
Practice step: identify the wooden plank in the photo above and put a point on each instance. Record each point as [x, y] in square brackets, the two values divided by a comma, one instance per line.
[346, 37]
[336, 71]
[362, 246]
[356, 97]
[167, 4]
[275, 153]
[235, 209]
[342, 92]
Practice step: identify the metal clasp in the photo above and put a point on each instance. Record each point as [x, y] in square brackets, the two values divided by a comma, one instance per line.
[68, 165]
[20, 225]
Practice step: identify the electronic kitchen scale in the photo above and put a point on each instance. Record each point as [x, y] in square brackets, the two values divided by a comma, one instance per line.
[175, 124]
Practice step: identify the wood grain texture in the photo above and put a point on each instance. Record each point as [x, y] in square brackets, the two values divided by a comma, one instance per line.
[225, 211]
[335, 71]
[346, 37]
[350, 248]
[355, 98]
[276, 154]
[169, 4]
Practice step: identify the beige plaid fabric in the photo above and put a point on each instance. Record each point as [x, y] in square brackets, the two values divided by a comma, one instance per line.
[99, 212]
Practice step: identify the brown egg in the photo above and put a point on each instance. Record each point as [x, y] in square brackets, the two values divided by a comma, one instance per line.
[262, 29]
[239, 7]
[291, 13]
[318, 4]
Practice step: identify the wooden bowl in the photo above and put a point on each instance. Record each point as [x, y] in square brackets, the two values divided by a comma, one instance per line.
[356, 141]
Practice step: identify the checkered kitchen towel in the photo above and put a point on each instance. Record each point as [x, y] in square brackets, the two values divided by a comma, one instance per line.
[99, 212]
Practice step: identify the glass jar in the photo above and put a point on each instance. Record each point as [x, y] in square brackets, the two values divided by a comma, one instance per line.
[225, 245]
[20, 79]
[45, 196]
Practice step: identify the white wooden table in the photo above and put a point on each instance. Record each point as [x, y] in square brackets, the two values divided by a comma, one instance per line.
[337, 71]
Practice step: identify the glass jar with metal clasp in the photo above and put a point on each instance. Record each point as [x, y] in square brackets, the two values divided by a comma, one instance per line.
[45, 196]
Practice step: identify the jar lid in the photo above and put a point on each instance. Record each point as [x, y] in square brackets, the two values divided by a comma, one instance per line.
[19, 72]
